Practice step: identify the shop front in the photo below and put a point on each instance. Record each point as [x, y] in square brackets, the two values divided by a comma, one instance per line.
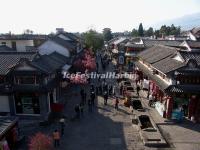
[27, 103]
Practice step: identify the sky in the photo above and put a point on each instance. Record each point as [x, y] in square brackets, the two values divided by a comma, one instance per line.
[44, 16]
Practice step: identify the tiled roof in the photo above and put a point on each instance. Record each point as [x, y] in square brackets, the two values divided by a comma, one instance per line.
[5, 124]
[194, 44]
[71, 36]
[168, 64]
[4, 48]
[47, 64]
[60, 58]
[130, 44]
[191, 55]
[196, 32]
[67, 44]
[120, 40]
[10, 59]
[173, 43]
[22, 36]
[156, 53]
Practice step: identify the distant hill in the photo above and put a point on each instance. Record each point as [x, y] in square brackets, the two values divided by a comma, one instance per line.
[186, 22]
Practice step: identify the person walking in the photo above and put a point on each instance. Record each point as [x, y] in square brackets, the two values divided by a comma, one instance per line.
[82, 94]
[138, 90]
[84, 98]
[89, 105]
[62, 126]
[113, 90]
[105, 97]
[81, 107]
[110, 89]
[77, 110]
[92, 96]
[116, 103]
[56, 138]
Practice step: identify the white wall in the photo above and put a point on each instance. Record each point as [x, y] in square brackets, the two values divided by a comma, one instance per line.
[20, 44]
[192, 37]
[4, 104]
[49, 47]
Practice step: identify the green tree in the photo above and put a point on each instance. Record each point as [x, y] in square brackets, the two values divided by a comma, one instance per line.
[93, 39]
[107, 34]
[157, 33]
[149, 32]
[141, 30]
[175, 30]
[134, 32]
[169, 30]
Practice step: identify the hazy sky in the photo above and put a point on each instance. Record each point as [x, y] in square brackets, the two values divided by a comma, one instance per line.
[43, 16]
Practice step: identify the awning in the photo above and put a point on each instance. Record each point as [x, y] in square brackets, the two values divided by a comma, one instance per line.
[183, 89]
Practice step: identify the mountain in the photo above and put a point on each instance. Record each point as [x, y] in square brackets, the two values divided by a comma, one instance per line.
[186, 22]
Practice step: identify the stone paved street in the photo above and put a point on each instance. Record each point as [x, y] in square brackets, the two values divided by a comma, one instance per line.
[104, 129]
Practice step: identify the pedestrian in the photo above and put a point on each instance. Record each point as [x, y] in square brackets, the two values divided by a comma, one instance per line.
[116, 103]
[92, 96]
[92, 88]
[89, 105]
[110, 89]
[100, 90]
[77, 110]
[82, 94]
[97, 66]
[138, 90]
[84, 98]
[81, 107]
[121, 89]
[97, 90]
[113, 90]
[62, 126]
[105, 97]
[56, 138]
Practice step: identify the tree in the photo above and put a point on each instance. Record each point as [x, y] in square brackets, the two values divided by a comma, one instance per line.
[175, 30]
[141, 30]
[149, 32]
[169, 30]
[107, 34]
[40, 141]
[157, 33]
[93, 39]
[134, 32]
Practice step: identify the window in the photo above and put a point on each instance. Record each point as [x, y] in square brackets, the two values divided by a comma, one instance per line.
[14, 45]
[3, 43]
[27, 80]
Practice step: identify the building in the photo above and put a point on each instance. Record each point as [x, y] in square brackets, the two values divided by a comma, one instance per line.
[174, 79]
[64, 43]
[22, 42]
[30, 82]
[191, 45]
[193, 34]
